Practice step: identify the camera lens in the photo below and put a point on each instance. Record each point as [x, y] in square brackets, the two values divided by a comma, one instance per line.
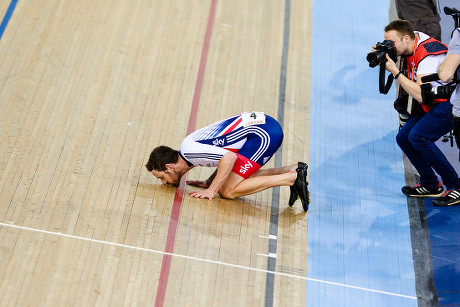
[375, 58]
[403, 118]
[443, 91]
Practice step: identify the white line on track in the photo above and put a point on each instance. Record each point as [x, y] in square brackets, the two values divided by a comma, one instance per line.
[202, 260]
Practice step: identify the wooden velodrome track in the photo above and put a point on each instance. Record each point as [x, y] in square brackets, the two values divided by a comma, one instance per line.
[87, 89]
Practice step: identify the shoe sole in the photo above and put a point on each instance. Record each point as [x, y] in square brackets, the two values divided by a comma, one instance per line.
[446, 205]
[430, 195]
[426, 195]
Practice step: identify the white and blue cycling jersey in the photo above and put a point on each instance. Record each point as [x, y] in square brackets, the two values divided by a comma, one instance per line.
[254, 136]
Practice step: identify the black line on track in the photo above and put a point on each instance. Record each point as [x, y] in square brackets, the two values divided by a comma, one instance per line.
[273, 230]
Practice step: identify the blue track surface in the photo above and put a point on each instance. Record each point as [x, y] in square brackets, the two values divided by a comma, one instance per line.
[444, 224]
[359, 232]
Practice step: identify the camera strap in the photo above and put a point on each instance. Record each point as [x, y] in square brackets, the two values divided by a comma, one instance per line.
[384, 87]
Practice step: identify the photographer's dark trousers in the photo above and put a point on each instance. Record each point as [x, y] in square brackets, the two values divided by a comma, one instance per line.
[416, 139]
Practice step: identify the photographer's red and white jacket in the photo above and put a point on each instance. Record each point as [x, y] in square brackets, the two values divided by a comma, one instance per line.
[425, 60]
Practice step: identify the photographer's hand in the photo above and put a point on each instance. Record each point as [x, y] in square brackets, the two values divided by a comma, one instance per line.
[390, 65]
[411, 87]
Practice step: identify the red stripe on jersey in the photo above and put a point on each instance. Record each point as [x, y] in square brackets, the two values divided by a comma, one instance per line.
[233, 126]
[232, 149]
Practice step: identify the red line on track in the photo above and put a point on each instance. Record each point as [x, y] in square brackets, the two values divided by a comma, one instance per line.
[175, 213]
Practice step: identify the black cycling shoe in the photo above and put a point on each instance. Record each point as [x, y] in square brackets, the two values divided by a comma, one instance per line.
[302, 165]
[301, 185]
[294, 195]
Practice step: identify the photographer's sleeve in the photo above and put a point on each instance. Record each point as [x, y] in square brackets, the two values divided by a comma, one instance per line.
[454, 44]
[454, 48]
[430, 65]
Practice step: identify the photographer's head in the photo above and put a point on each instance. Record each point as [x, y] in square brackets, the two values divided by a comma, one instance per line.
[401, 33]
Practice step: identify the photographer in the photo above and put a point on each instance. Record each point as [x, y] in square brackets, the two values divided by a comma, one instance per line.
[417, 137]
[448, 71]
[422, 14]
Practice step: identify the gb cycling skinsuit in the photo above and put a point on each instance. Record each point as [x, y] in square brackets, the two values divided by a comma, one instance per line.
[253, 136]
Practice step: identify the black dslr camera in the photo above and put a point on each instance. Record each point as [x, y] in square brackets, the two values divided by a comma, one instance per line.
[377, 57]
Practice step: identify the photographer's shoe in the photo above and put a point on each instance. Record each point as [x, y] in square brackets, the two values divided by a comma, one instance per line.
[420, 191]
[449, 198]
[301, 185]
[294, 195]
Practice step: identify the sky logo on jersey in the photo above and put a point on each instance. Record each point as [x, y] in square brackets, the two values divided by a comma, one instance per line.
[218, 142]
[246, 167]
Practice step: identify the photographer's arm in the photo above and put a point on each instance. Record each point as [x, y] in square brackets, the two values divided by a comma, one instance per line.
[448, 67]
[411, 87]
